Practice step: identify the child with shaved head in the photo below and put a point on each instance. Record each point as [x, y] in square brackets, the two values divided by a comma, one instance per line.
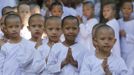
[103, 62]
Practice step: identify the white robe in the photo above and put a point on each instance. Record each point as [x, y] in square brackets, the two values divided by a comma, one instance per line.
[45, 51]
[25, 33]
[127, 43]
[15, 57]
[39, 64]
[85, 34]
[115, 25]
[58, 54]
[93, 65]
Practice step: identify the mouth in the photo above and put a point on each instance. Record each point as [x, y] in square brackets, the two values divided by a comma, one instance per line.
[37, 32]
[54, 36]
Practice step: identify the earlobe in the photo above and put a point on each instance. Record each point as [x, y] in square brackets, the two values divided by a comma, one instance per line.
[94, 42]
[115, 41]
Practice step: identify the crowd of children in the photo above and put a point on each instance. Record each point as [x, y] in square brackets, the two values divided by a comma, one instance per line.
[64, 38]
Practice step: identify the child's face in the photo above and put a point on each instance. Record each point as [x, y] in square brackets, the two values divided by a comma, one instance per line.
[70, 29]
[88, 11]
[53, 30]
[127, 9]
[56, 11]
[24, 12]
[48, 3]
[35, 10]
[108, 12]
[104, 40]
[13, 27]
[36, 27]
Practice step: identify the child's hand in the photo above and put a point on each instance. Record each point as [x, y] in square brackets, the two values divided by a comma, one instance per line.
[2, 42]
[106, 67]
[39, 43]
[64, 63]
[80, 19]
[122, 33]
[71, 59]
[73, 62]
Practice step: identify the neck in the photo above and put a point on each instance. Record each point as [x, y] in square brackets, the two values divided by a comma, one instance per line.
[51, 43]
[35, 39]
[15, 40]
[126, 18]
[69, 43]
[101, 54]
[89, 17]
[110, 18]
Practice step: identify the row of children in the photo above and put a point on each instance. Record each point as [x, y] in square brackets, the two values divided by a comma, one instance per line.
[22, 57]
[104, 44]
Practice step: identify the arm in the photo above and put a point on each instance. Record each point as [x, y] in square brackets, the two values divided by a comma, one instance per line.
[54, 65]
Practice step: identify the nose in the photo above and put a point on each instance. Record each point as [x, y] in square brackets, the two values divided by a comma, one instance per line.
[70, 30]
[106, 41]
[13, 29]
[54, 32]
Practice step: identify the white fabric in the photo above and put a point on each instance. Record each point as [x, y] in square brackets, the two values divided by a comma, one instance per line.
[127, 43]
[69, 11]
[92, 66]
[115, 25]
[25, 33]
[15, 57]
[85, 34]
[58, 54]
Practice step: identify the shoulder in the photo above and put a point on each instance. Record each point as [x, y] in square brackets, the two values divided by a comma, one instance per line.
[81, 48]
[58, 47]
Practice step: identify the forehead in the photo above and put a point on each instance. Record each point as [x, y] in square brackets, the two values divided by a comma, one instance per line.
[107, 6]
[13, 20]
[57, 7]
[24, 7]
[127, 4]
[88, 5]
[39, 18]
[53, 23]
[105, 32]
[72, 22]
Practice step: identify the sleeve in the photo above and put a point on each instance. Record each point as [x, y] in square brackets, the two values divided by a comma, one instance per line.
[25, 56]
[85, 69]
[2, 60]
[122, 68]
[130, 38]
[54, 65]
[37, 65]
[86, 30]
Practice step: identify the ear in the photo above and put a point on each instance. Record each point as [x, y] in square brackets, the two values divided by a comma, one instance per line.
[115, 41]
[94, 42]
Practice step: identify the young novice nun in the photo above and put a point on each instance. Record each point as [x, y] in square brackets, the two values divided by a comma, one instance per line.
[56, 9]
[127, 31]
[66, 57]
[109, 10]
[85, 34]
[36, 27]
[17, 53]
[103, 62]
[53, 31]
[24, 12]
